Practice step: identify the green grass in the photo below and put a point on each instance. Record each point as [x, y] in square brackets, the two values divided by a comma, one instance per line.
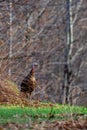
[26, 114]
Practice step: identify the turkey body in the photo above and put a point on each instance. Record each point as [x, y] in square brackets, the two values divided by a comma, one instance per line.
[29, 83]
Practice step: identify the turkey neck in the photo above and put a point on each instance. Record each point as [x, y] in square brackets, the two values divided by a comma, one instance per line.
[32, 71]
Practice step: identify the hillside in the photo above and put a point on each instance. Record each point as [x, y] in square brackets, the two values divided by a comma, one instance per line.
[16, 112]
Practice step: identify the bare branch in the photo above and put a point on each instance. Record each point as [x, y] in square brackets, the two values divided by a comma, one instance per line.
[77, 11]
[77, 54]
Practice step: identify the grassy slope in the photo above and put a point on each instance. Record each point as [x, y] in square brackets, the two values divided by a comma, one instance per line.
[54, 112]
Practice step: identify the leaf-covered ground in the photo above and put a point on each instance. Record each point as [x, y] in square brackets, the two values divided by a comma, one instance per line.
[46, 125]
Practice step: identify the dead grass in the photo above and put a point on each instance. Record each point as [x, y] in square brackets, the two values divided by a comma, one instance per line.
[10, 94]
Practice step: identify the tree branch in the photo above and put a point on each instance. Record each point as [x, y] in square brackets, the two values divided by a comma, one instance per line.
[77, 10]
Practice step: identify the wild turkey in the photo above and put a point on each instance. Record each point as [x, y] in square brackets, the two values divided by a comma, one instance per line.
[29, 82]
